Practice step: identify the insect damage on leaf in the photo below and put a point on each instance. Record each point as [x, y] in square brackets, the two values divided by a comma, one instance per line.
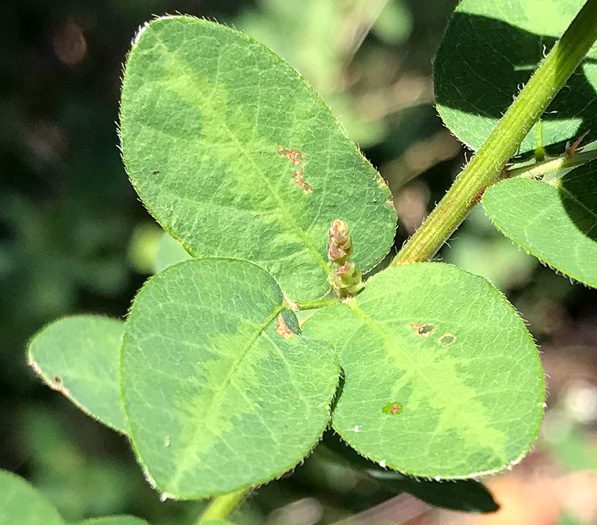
[391, 409]
[296, 157]
[282, 329]
[424, 330]
[447, 339]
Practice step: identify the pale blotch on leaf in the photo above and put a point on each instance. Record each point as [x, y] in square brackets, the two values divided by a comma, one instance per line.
[392, 409]
[167, 441]
[282, 329]
[296, 157]
[447, 339]
[424, 330]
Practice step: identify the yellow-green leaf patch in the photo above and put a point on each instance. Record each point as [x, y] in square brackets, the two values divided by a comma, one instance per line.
[221, 391]
[236, 156]
[441, 377]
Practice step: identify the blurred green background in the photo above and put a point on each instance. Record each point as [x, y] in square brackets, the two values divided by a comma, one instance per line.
[74, 238]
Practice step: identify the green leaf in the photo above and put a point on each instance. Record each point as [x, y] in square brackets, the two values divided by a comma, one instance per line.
[78, 357]
[21, 504]
[464, 495]
[216, 399]
[489, 52]
[170, 251]
[555, 223]
[442, 379]
[114, 520]
[218, 522]
[213, 127]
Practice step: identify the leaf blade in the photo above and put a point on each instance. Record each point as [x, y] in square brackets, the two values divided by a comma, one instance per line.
[21, 503]
[217, 400]
[78, 356]
[555, 223]
[404, 342]
[495, 47]
[224, 184]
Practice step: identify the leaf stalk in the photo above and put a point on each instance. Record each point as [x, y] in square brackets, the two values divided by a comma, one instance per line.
[221, 507]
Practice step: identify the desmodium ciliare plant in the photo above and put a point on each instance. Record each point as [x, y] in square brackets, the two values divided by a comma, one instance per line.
[423, 369]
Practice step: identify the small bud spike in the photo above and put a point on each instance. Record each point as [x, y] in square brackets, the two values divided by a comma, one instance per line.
[346, 278]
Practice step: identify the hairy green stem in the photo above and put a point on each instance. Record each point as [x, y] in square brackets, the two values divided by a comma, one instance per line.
[318, 303]
[540, 169]
[221, 507]
[486, 166]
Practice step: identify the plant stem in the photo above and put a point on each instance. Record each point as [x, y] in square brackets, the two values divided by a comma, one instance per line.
[485, 168]
[318, 303]
[540, 169]
[221, 507]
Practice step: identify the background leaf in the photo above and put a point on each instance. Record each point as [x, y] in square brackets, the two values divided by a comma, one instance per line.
[464, 495]
[170, 251]
[489, 52]
[557, 222]
[114, 520]
[78, 356]
[21, 504]
[213, 127]
[216, 399]
[442, 379]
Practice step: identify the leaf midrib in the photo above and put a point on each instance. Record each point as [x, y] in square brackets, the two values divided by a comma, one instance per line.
[247, 154]
[417, 370]
[183, 467]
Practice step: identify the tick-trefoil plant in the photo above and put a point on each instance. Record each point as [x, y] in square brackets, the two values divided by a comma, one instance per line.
[424, 370]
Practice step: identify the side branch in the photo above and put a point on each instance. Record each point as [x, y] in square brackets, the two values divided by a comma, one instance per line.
[487, 165]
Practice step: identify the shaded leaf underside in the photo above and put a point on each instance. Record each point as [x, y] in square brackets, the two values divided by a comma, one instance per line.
[489, 52]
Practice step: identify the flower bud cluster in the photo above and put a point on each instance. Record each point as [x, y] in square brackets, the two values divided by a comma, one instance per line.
[346, 278]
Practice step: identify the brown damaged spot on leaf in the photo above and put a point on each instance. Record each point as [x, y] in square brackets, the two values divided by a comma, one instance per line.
[296, 157]
[391, 409]
[424, 330]
[381, 182]
[282, 329]
[447, 340]
[55, 383]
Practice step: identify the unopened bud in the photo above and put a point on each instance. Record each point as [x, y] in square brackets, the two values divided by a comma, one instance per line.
[347, 269]
[339, 242]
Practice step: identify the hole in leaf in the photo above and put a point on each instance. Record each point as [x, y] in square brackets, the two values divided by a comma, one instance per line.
[392, 409]
[424, 330]
[447, 339]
